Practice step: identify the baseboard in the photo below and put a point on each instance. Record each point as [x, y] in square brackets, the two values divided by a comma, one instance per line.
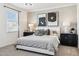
[12, 43]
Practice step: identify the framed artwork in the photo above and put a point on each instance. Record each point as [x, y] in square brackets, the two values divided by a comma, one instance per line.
[42, 20]
[53, 19]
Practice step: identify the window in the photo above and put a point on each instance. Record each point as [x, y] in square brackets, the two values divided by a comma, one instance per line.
[11, 20]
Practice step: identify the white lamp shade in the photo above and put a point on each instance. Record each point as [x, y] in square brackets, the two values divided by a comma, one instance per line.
[66, 24]
[30, 25]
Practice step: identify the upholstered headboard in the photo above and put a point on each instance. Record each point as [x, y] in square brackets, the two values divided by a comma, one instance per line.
[53, 30]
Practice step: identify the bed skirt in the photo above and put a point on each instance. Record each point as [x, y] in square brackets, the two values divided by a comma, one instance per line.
[35, 49]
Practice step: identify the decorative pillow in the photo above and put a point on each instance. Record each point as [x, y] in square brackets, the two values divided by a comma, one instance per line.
[41, 32]
[48, 32]
[54, 33]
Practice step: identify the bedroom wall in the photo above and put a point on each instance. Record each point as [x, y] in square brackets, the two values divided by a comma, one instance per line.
[10, 38]
[66, 14]
[78, 23]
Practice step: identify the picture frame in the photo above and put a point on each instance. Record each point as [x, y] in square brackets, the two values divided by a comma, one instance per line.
[53, 19]
[42, 20]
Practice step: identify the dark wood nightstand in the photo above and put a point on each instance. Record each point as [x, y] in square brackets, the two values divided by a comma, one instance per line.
[69, 39]
[27, 33]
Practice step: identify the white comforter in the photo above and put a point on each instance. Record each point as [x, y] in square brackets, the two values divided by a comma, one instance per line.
[42, 42]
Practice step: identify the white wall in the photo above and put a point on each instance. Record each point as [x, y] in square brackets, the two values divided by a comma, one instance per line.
[66, 14]
[78, 23]
[10, 38]
[23, 22]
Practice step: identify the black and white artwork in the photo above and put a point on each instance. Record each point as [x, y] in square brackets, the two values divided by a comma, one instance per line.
[42, 20]
[53, 19]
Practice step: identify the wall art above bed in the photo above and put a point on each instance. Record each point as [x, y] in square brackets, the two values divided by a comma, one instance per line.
[42, 19]
[53, 19]
[48, 19]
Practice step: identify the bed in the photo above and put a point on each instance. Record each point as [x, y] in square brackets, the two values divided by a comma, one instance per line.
[39, 42]
[46, 44]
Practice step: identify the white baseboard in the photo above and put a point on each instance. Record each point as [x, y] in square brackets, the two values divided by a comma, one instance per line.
[4, 45]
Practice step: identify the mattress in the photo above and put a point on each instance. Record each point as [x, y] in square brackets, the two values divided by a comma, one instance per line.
[45, 42]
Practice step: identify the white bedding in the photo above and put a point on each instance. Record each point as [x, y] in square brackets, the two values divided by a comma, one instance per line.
[45, 42]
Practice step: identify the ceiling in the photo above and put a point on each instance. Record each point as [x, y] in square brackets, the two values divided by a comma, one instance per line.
[40, 6]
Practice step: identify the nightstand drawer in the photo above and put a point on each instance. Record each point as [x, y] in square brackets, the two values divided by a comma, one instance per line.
[27, 33]
[69, 39]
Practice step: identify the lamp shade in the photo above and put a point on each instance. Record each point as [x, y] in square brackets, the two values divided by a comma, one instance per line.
[30, 25]
[66, 24]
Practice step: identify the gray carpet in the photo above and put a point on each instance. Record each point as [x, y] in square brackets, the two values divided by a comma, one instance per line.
[63, 51]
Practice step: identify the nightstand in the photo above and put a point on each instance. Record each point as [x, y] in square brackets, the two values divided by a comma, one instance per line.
[27, 33]
[69, 39]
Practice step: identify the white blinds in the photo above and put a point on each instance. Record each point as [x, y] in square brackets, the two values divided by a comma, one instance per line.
[11, 20]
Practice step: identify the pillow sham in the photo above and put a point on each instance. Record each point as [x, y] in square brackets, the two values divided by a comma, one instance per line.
[41, 32]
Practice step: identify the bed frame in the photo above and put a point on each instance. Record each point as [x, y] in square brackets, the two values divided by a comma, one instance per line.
[35, 50]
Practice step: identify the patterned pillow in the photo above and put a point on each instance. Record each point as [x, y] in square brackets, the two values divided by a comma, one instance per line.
[41, 32]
